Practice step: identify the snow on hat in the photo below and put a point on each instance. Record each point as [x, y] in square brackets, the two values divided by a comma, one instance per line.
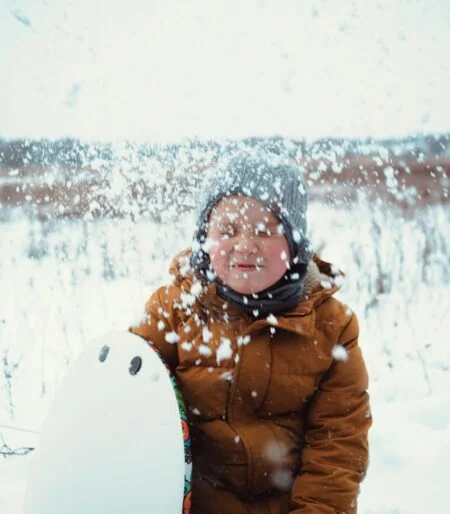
[271, 179]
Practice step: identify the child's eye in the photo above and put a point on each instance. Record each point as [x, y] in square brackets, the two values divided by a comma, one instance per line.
[226, 232]
[263, 230]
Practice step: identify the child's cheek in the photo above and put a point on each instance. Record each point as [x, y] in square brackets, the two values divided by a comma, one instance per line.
[218, 255]
[278, 256]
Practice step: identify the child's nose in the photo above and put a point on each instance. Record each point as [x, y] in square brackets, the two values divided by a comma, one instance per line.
[245, 244]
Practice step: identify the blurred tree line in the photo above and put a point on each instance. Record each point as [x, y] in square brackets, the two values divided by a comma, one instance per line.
[70, 178]
[75, 154]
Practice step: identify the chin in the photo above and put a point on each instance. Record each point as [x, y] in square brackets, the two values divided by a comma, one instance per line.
[245, 288]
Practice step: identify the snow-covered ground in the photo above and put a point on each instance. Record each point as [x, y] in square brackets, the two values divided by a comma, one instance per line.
[64, 283]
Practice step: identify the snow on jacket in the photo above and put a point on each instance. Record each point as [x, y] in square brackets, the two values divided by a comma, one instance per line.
[279, 407]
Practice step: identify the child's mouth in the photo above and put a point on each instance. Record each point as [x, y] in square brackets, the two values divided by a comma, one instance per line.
[245, 267]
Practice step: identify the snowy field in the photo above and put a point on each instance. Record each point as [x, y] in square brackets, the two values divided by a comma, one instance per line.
[64, 283]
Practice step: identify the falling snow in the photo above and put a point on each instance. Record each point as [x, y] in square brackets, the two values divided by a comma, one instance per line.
[339, 353]
[172, 337]
[207, 335]
[224, 351]
[272, 319]
[204, 350]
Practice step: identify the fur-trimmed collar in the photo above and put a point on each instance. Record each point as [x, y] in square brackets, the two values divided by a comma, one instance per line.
[321, 274]
[313, 278]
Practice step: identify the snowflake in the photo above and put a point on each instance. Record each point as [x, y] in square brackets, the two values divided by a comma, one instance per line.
[204, 350]
[172, 337]
[272, 319]
[224, 351]
[340, 353]
[207, 335]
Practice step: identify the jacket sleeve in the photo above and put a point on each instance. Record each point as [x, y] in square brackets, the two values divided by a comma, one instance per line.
[157, 326]
[335, 456]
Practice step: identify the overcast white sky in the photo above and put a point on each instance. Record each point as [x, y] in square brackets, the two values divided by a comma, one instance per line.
[164, 70]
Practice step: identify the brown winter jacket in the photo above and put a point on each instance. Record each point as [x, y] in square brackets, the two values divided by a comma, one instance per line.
[278, 407]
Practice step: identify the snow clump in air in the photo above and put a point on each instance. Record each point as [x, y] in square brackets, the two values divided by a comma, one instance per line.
[204, 350]
[282, 479]
[242, 341]
[224, 351]
[275, 452]
[272, 319]
[172, 337]
[187, 300]
[339, 353]
[196, 289]
[207, 335]
[227, 376]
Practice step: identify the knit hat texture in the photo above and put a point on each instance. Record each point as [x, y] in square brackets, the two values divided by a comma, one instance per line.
[269, 178]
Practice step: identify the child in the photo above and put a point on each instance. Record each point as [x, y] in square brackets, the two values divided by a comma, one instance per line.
[266, 357]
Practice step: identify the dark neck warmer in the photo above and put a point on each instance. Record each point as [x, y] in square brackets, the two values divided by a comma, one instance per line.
[281, 297]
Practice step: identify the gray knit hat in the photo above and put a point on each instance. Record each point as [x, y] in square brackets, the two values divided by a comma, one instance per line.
[271, 179]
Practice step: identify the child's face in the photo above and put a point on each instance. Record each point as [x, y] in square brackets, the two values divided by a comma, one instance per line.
[247, 247]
